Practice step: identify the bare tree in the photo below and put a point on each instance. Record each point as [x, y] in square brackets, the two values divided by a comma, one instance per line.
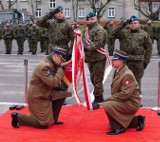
[75, 9]
[1, 4]
[34, 6]
[11, 3]
[99, 7]
[145, 7]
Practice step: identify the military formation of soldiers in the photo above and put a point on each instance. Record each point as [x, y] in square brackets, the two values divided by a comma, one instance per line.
[152, 29]
[20, 33]
[35, 34]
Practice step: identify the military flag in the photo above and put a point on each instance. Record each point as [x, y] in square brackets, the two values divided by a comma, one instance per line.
[75, 71]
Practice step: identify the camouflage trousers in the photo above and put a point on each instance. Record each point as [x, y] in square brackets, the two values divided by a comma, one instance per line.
[29, 44]
[158, 46]
[111, 43]
[96, 70]
[8, 45]
[20, 43]
[137, 68]
[44, 44]
[34, 44]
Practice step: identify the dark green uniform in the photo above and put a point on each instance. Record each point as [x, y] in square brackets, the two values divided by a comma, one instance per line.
[20, 35]
[138, 46]
[150, 29]
[157, 29]
[95, 60]
[60, 32]
[110, 38]
[28, 26]
[44, 40]
[1, 29]
[8, 36]
[33, 36]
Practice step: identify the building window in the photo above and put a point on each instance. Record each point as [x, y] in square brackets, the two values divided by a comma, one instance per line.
[81, 12]
[155, 5]
[111, 12]
[52, 4]
[38, 12]
[67, 12]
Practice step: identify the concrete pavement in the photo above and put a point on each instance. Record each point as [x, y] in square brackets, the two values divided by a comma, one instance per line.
[12, 78]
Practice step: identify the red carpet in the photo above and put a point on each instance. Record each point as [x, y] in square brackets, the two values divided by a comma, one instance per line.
[80, 125]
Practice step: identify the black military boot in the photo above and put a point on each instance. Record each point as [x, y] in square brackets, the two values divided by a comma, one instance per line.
[141, 124]
[14, 121]
[97, 100]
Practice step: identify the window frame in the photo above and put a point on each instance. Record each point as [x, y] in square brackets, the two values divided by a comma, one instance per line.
[68, 11]
[52, 4]
[81, 12]
[111, 12]
[38, 12]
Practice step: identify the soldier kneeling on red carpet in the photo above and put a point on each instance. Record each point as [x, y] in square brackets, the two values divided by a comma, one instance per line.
[125, 100]
[45, 97]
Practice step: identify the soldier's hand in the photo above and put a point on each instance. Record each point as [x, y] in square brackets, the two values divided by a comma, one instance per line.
[51, 13]
[144, 65]
[124, 23]
[65, 63]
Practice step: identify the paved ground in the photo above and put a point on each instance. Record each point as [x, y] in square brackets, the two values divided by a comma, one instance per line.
[12, 78]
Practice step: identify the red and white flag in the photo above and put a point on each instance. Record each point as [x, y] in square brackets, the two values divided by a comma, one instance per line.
[77, 72]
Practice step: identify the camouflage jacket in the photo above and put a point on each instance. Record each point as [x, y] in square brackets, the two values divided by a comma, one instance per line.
[60, 32]
[8, 33]
[43, 33]
[20, 32]
[33, 33]
[98, 37]
[157, 29]
[136, 43]
[150, 29]
[109, 29]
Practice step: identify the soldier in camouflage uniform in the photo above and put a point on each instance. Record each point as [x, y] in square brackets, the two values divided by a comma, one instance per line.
[110, 38]
[20, 35]
[60, 30]
[1, 29]
[33, 35]
[95, 60]
[28, 26]
[8, 36]
[150, 29]
[137, 44]
[44, 39]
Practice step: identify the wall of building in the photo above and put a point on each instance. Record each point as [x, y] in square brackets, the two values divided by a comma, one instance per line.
[123, 8]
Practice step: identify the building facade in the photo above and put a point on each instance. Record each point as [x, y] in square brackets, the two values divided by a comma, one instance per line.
[116, 9]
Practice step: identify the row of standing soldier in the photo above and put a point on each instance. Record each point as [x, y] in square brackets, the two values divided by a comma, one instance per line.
[20, 33]
[35, 34]
[152, 29]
